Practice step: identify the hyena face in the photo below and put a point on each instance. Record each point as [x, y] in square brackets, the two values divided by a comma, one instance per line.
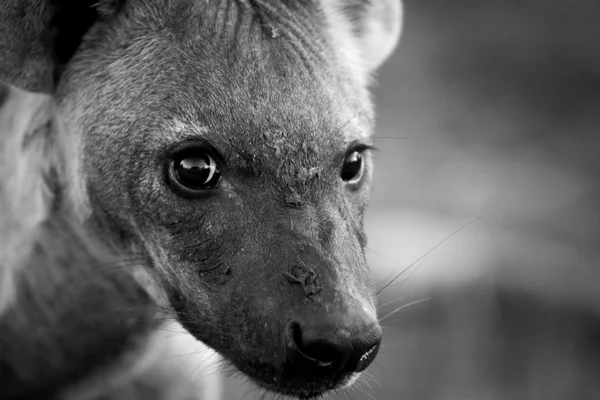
[229, 141]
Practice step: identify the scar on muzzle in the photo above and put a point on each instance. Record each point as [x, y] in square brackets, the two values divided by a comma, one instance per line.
[306, 277]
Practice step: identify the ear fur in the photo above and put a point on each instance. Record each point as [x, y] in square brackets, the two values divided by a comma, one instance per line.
[37, 37]
[376, 26]
[24, 198]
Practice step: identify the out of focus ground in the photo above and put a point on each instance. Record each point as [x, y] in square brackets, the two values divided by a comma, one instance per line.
[490, 109]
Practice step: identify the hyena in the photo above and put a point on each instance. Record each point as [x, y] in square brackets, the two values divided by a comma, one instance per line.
[223, 145]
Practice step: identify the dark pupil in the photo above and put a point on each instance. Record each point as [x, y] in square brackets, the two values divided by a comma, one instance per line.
[195, 171]
[352, 166]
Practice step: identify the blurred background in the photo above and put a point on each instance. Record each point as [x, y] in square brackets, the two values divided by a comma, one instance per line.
[486, 200]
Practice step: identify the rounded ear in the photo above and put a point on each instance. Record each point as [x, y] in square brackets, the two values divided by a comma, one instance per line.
[37, 37]
[376, 25]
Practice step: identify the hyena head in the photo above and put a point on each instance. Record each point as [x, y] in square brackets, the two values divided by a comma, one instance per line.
[229, 141]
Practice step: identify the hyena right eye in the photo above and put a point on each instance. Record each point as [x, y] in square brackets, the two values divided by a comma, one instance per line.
[353, 167]
[193, 170]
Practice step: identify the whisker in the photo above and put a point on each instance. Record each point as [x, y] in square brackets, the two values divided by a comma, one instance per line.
[417, 267]
[263, 395]
[417, 263]
[363, 386]
[430, 251]
[379, 366]
[192, 353]
[352, 118]
[389, 303]
[412, 303]
[375, 252]
[203, 362]
[401, 138]
[370, 395]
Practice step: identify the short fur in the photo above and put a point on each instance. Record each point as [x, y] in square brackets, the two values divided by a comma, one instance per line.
[74, 319]
[279, 90]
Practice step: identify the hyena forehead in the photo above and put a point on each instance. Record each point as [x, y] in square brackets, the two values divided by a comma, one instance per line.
[254, 77]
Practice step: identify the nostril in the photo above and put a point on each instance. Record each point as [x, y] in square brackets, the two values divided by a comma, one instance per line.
[312, 354]
[365, 359]
[318, 352]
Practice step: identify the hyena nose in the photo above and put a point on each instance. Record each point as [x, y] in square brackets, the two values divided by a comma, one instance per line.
[313, 348]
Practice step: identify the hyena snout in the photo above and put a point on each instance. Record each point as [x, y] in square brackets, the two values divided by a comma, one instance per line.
[333, 344]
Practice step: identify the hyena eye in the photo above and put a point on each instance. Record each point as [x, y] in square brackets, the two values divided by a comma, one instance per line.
[194, 169]
[353, 168]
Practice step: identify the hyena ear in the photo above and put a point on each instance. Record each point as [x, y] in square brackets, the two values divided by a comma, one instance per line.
[376, 25]
[38, 37]
[24, 199]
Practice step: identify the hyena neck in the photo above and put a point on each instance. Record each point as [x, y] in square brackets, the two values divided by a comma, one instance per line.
[78, 314]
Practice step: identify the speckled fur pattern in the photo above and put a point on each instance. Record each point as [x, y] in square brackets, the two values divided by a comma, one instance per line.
[279, 89]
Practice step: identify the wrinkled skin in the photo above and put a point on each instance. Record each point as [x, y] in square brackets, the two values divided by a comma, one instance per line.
[275, 254]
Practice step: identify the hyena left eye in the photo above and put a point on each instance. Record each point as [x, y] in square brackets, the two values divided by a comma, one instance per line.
[194, 170]
[353, 167]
